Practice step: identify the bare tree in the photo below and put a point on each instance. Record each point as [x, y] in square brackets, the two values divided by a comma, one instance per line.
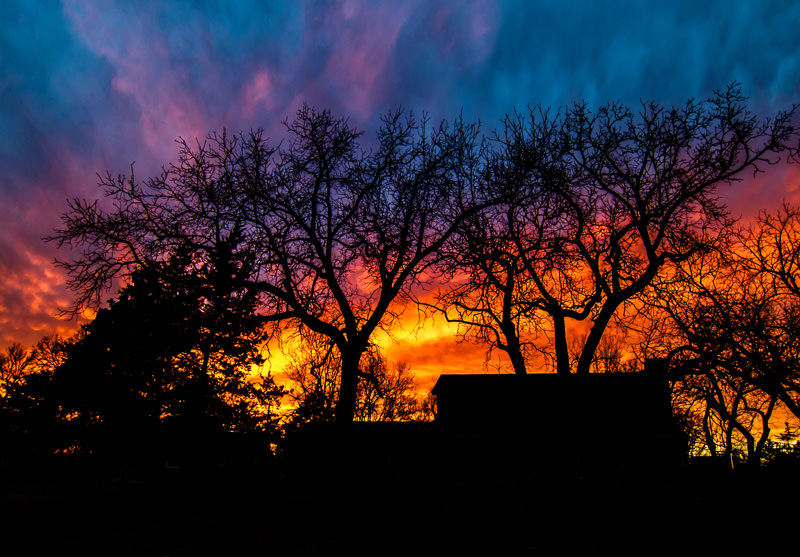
[51, 351]
[734, 414]
[770, 248]
[336, 236]
[594, 206]
[767, 256]
[15, 362]
[344, 235]
[489, 295]
[732, 333]
[392, 397]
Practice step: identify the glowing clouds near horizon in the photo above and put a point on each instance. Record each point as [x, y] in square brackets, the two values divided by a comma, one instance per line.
[32, 293]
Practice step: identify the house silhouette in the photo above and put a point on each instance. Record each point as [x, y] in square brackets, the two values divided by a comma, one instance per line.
[561, 422]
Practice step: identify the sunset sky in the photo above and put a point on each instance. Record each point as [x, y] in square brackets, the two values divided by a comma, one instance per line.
[87, 87]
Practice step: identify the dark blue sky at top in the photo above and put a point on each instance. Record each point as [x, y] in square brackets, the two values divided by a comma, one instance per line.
[94, 86]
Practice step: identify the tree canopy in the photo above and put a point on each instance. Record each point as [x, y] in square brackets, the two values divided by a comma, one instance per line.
[333, 235]
[554, 218]
[730, 323]
[585, 209]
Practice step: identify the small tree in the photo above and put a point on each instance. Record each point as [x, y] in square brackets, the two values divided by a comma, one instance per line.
[15, 362]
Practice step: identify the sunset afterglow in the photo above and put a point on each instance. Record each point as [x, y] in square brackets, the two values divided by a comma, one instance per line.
[344, 277]
[90, 90]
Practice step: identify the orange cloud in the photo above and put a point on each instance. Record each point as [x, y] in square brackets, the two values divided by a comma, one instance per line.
[32, 293]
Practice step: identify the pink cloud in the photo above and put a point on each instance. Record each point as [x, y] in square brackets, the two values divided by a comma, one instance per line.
[258, 94]
[146, 72]
[362, 51]
[475, 36]
[764, 192]
[31, 295]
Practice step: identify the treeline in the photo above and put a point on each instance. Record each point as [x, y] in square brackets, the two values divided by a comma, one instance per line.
[613, 217]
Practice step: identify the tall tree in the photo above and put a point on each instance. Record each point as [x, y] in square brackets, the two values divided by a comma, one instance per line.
[594, 206]
[711, 323]
[337, 236]
[344, 234]
[768, 256]
[745, 311]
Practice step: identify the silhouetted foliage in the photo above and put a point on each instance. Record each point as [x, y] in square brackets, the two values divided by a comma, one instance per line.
[28, 412]
[593, 206]
[167, 365]
[17, 361]
[784, 450]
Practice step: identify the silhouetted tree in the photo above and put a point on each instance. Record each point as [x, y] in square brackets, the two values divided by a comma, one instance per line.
[337, 236]
[314, 375]
[771, 247]
[15, 362]
[344, 235]
[489, 296]
[391, 396]
[768, 255]
[733, 332]
[594, 206]
[19, 364]
[49, 353]
[170, 358]
[732, 413]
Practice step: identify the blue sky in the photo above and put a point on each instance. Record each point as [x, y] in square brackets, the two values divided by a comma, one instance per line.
[93, 86]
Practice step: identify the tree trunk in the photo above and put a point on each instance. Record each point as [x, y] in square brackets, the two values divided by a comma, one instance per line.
[593, 340]
[562, 350]
[712, 446]
[517, 360]
[513, 348]
[346, 405]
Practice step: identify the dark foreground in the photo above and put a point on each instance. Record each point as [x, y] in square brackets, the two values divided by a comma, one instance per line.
[273, 511]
